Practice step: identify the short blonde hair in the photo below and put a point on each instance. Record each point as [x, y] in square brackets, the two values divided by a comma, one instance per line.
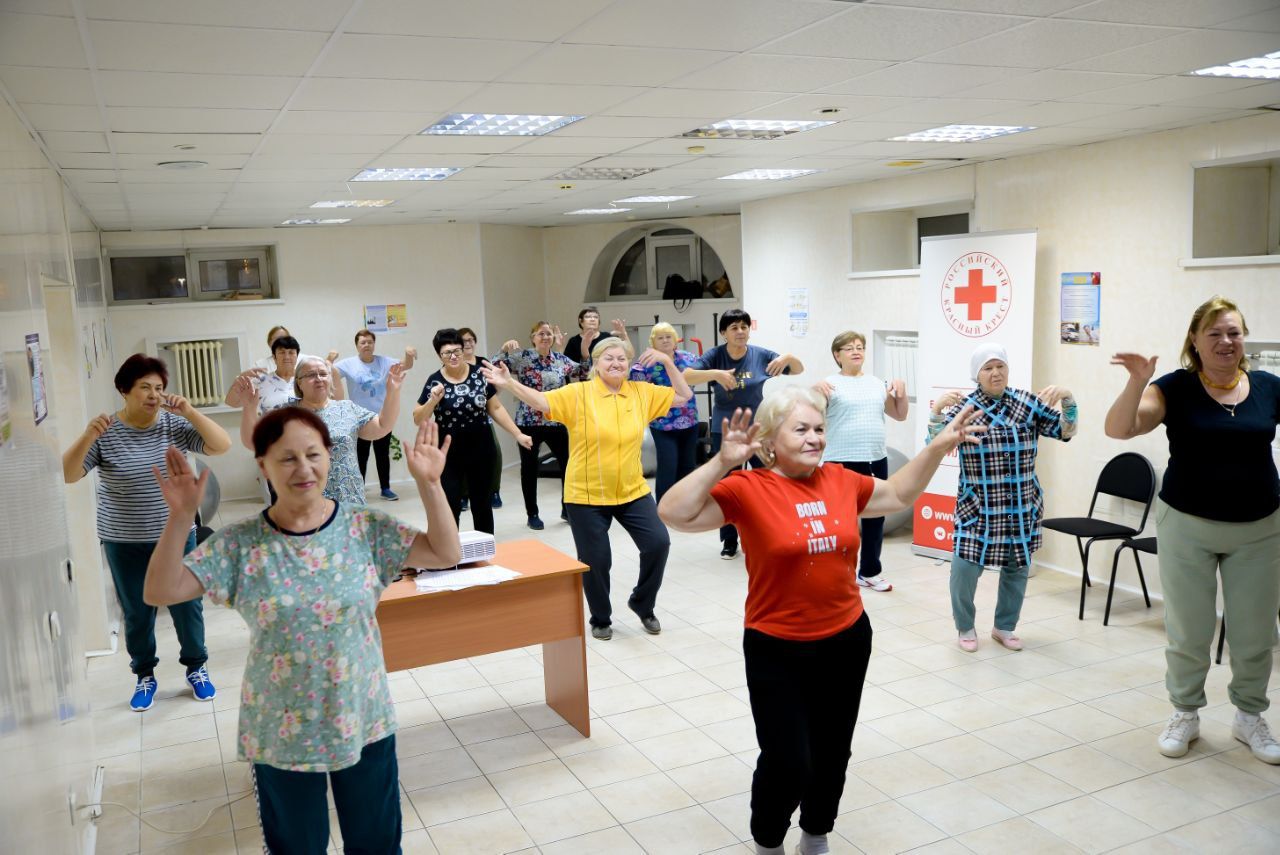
[775, 410]
[598, 351]
[662, 328]
[537, 325]
[1206, 314]
[845, 339]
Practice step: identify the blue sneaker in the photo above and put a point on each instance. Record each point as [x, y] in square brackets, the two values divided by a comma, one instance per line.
[144, 694]
[497, 501]
[390, 496]
[201, 685]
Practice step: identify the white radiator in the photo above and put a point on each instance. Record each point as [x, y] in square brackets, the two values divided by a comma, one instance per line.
[199, 365]
[900, 360]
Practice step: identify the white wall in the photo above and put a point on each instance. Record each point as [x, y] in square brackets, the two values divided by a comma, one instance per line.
[1121, 207]
[327, 275]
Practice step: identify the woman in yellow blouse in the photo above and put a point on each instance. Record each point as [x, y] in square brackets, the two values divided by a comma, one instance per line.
[607, 417]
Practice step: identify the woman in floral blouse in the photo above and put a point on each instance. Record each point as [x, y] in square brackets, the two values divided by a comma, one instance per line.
[306, 575]
[543, 369]
[675, 435]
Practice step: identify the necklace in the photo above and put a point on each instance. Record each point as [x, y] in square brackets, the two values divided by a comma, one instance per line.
[1226, 387]
[309, 535]
[1230, 408]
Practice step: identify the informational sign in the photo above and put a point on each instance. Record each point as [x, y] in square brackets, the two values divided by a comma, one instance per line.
[1080, 309]
[973, 288]
[798, 312]
[39, 401]
[386, 318]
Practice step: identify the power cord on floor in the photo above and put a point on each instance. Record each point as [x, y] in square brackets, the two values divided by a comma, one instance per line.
[150, 824]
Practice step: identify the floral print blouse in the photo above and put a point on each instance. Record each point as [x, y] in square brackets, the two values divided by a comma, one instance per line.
[680, 416]
[315, 684]
[542, 373]
[344, 420]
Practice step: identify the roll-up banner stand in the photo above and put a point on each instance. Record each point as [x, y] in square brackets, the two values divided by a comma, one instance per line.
[972, 288]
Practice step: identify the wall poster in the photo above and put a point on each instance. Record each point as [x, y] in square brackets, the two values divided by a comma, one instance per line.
[386, 318]
[1080, 307]
[39, 401]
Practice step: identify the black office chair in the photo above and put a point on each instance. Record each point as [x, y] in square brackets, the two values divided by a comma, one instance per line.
[1126, 476]
[1137, 544]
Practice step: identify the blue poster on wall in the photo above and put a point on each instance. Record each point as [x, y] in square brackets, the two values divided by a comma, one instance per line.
[1080, 319]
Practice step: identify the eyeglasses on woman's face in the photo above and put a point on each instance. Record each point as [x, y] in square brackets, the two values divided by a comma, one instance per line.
[317, 376]
[451, 353]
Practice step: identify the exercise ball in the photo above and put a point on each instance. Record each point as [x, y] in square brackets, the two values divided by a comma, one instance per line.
[212, 494]
[893, 522]
[648, 456]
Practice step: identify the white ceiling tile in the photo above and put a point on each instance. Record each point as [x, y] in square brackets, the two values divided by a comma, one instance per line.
[545, 99]
[28, 84]
[1162, 90]
[1258, 95]
[872, 130]
[853, 107]
[422, 58]
[128, 46]
[1263, 22]
[681, 145]
[295, 160]
[40, 40]
[213, 143]
[1139, 117]
[407, 161]
[171, 120]
[919, 79]
[345, 143]
[285, 176]
[438, 146]
[1037, 8]
[320, 15]
[1051, 113]
[215, 161]
[156, 178]
[776, 73]
[618, 66]
[333, 93]
[101, 178]
[341, 121]
[946, 111]
[74, 141]
[85, 160]
[63, 117]
[168, 89]
[532, 160]
[1177, 13]
[879, 32]
[695, 103]
[624, 126]
[1181, 53]
[1050, 85]
[475, 19]
[732, 25]
[1050, 43]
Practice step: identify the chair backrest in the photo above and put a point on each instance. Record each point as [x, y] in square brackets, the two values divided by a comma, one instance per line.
[1128, 476]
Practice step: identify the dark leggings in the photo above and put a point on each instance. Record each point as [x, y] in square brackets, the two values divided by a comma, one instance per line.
[470, 463]
[590, 527]
[872, 527]
[804, 699]
[381, 457]
[557, 439]
[676, 451]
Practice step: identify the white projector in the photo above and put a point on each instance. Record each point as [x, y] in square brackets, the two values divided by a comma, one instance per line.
[476, 546]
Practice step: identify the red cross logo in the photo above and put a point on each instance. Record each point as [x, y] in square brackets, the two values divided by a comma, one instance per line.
[975, 295]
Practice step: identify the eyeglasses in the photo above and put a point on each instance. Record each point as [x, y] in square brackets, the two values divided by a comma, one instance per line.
[451, 353]
[543, 335]
[852, 348]
[319, 375]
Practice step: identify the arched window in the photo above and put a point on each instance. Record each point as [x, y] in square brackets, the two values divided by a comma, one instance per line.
[644, 266]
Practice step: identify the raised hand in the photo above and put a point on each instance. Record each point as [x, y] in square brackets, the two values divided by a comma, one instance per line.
[331, 357]
[425, 456]
[652, 356]
[175, 404]
[525, 441]
[510, 346]
[823, 388]
[181, 489]
[1051, 395]
[497, 376]
[1139, 367]
[411, 352]
[247, 391]
[738, 442]
[619, 328]
[98, 425]
[558, 338]
[948, 399]
[960, 429]
[897, 389]
[395, 377]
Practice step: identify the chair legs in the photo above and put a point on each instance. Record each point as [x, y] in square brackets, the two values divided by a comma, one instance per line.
[1084, 572]
[1111, 589]
[1222, 638]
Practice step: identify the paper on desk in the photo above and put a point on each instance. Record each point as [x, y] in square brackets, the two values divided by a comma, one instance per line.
[465, 577]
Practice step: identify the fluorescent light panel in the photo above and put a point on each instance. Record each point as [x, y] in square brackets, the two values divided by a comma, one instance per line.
[355, 203]
[410, 173]
[594, 211]
[645, 200]
[602, 173]
[768, 174]
[1256, 68]
[498, 125]
[753, 129]
[961, 133]
[305, 221]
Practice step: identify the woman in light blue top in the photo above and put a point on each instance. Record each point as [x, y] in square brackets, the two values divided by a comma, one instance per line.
[856, 406]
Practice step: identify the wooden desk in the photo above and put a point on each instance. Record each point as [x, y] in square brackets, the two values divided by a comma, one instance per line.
[543, 606]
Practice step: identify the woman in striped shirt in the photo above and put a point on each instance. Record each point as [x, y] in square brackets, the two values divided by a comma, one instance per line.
[124, 447]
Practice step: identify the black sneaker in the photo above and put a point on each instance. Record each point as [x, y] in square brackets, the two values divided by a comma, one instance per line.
[564, 515]
[728, 552]
[466, 504]
[602, 633]
[535, 523]
[497, 501]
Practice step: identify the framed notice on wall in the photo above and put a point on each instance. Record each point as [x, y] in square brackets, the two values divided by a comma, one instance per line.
[39, 400]
[1080, 308]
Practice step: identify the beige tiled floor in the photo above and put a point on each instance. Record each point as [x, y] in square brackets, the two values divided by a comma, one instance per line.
[1048, 750]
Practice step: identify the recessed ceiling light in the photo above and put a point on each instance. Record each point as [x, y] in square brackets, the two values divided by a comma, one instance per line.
[1257, 68]
[899, 163]
[182, 164]
[498, 125]
[753, 129]
[355, 203]
[409, 173]
[642, 200]
[305, 221]
[603, 173]
[591, 211]
[961, 133]
[768, 174]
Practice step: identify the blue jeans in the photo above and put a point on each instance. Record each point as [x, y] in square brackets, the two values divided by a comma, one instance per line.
[128, 563]
[295, 812]
[677, 453]
[964, 582]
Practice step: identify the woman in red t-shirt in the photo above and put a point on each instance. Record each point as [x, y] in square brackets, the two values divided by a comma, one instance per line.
[807, 641]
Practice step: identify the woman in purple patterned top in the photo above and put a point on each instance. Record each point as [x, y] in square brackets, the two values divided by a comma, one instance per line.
[675, 435]
[542, 368]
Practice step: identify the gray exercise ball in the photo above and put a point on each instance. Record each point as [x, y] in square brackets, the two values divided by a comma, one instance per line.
[212, 494]
[893, 522]
[648, 456]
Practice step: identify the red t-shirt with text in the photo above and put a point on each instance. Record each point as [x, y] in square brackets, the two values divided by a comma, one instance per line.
[800, 537]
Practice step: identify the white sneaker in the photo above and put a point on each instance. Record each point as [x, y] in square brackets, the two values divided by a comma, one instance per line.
[875, 583]
[1253, 731]
[1176, 738]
